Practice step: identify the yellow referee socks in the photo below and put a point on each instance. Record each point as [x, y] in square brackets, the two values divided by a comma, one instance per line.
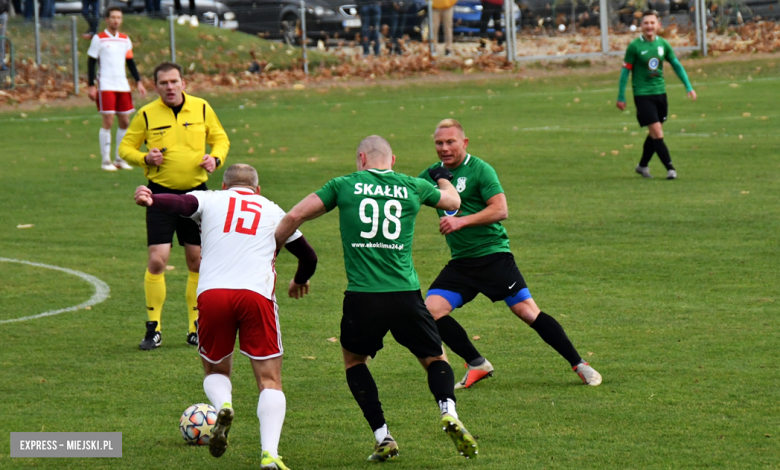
[192, 299]
[154, 288]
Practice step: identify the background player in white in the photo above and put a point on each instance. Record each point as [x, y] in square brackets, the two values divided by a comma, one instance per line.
[236, 293]
[113, 50]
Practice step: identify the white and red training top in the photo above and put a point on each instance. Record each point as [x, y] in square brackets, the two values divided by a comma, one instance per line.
[237, 240]
[111, 53]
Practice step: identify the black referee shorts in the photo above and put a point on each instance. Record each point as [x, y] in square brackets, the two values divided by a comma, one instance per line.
[651, 109]
[496, 276]
[368, 316]
[160, 226]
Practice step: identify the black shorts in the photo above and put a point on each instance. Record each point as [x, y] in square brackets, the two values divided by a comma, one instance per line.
[368, 316]
[650, 109]
[160, 225]
[496, 276]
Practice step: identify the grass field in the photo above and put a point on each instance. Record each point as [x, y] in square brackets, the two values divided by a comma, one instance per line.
[669, 288]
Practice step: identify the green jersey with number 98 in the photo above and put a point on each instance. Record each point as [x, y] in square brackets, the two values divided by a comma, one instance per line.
[377, 212]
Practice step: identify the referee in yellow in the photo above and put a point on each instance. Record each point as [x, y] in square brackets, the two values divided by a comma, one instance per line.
[176, 129]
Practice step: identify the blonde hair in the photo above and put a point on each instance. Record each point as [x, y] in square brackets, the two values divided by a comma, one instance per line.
[446, 123]
[240, 174]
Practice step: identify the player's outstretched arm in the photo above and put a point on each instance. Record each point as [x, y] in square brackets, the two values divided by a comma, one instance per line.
[309, 208]
[496, 211]
[307, 264]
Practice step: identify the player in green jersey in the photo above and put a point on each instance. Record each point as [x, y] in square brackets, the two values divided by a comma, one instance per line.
[481, 260]
[377, 211]
[645, 58]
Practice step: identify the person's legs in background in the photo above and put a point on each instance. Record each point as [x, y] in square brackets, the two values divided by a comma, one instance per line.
[446, 18]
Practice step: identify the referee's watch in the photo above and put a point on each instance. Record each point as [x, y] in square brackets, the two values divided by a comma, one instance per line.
[217, 162]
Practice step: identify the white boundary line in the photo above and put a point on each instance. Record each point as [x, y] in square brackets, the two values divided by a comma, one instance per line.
[101, 290]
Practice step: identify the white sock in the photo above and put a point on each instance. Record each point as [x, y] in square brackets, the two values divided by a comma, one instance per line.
[271, 408]
[381, 433]
[105, 144]
[448, 407]
[219, 390]
[120, 134]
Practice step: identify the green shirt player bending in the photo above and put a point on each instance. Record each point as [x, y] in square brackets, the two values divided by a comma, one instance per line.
[481, 260]
[377, 210]
[645, 58]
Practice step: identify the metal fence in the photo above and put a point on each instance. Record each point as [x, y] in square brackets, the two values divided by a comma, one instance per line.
[559, 29]
[587, 29]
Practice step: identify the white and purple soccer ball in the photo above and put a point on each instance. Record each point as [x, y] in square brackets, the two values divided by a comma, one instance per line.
[196, 423]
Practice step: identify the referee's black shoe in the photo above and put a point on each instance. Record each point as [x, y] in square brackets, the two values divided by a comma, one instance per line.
[152, 339]
[192, 338]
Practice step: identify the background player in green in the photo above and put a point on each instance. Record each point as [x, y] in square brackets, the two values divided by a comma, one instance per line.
[377, 211]
[481, 260]
[645, 58]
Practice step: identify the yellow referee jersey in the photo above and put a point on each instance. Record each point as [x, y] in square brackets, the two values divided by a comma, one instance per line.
[184, 138]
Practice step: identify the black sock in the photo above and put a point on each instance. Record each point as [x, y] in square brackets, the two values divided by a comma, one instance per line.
[647, 152]
[361, 384]
[663, 153]
[454, 336]
[552, 333]
[441, 381]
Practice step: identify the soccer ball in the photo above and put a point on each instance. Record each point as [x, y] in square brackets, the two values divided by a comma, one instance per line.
[561, 28]
[632, 28]
[196, 423]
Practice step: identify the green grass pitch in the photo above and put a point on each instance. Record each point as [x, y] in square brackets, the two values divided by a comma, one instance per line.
[669, 288]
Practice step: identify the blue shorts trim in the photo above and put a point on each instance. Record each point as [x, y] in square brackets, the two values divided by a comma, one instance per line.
[455, 299]
[524, 294]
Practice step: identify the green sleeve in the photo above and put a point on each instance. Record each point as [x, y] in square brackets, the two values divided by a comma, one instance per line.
[429, 194]
[423, 174]
[489, 185]
[628, 65]
[678, 68]
[330, 193]
[624, 73]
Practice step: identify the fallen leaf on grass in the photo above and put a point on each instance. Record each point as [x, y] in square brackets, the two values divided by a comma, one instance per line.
[25, 226]
[615, 152]
[476, 338]
[170, 268]
[312, 159]
[333, 339]
[745, 114]
[311, 358]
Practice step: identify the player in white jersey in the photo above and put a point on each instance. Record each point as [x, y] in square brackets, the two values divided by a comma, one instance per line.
[236, 293]
[113, 50]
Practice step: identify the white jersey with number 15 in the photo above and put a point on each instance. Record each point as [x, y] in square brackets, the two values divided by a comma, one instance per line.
[237, 240]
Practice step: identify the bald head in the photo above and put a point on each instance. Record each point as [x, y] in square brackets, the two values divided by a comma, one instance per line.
[377, 151]
[240, 174]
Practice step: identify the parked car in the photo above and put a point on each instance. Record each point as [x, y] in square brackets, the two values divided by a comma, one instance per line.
[67, 7]
[216, 13]
[466, 17]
